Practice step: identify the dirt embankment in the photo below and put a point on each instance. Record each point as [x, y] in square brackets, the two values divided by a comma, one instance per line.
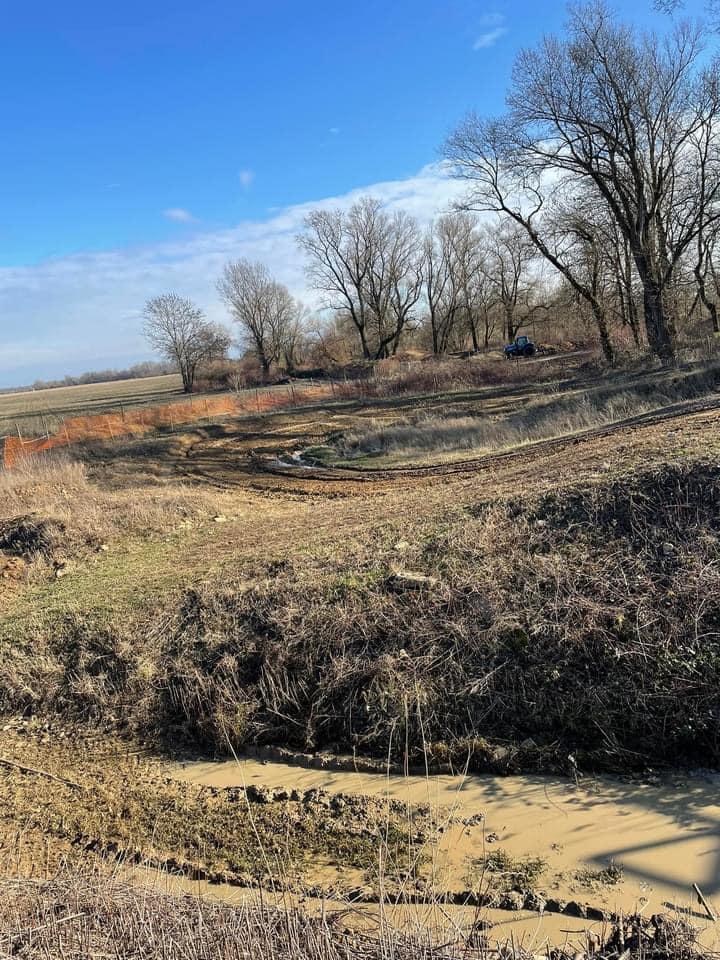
[577, 629]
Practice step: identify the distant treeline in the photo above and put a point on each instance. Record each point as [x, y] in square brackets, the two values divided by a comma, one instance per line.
[148, 368]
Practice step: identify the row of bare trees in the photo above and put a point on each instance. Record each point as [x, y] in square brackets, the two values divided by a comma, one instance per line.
[384, 278]
[605, 167]
[596, 192]
[608, 157]
[270, 322]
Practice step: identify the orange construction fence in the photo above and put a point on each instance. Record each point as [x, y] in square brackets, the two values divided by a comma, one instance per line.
[142, 420]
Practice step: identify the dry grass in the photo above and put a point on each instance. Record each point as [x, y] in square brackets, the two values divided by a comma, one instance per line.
[584, 623]
[409, 438]
[443, 376]
[564, 415]
[53, 489]
[92, 916]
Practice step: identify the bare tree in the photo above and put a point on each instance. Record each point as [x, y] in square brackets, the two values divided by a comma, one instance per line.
[368, 265]
[394, 280]
[712, 9]
[261, 306]
[508, 266]
[455, 294]
[293, 338]
[338, 263]
[623, 115]
[178, 330]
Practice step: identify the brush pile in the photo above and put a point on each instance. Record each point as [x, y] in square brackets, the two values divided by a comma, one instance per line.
[29, 537]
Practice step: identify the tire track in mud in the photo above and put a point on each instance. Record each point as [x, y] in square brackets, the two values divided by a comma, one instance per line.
[472, 464]
[242, 466]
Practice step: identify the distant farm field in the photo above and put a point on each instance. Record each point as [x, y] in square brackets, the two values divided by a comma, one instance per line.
[35, 411]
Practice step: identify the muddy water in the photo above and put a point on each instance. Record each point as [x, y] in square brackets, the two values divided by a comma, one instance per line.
[666, 834]
[444, 923]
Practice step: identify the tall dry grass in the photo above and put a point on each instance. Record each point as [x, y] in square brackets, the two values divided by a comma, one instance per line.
[538, 420]
[100, 917]
[80, 917]
[442, 376]
[53, 486]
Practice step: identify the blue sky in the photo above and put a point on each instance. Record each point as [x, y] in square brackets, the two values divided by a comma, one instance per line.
[142, 144]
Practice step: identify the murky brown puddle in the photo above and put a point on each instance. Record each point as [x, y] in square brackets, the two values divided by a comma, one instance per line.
[666, 836]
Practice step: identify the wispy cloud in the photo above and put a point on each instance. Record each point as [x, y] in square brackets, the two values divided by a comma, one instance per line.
[492, 19]
[98, 297]
[246, 177]
[178, 215]
[489, 39]
[334, 131]
[494, 29]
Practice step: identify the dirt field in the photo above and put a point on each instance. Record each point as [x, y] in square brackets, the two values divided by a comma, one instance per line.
[232, 584]
[37, 411]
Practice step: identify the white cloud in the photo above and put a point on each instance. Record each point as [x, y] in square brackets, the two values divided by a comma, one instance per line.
[490, 38]
[334, 131]
[81, 311]
[246, 177]
[492, 20]
[178, 215]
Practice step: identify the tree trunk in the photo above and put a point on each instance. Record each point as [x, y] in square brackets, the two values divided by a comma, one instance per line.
[367, 355]
[601, 322]
[186, 378]
[510, 327]
[473, 332]
[709, 304]
[631, 305]
[435, 336]
[657, 327]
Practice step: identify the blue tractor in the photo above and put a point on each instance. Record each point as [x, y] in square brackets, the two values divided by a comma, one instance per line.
[520, 347]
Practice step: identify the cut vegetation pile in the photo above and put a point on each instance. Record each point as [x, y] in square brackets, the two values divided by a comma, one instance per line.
[29, 537]
[580, 628]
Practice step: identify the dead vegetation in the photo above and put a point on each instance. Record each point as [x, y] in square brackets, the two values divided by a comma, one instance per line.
[87, 915]
[583, 625]
[29, 538]
[572, 411]
[52, 514]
